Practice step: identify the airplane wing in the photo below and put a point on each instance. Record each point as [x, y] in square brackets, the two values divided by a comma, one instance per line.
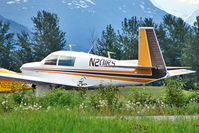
[177, 72]
[29, 79]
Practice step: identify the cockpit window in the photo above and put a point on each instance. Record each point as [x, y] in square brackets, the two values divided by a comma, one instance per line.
[51, 60]
[66, 61]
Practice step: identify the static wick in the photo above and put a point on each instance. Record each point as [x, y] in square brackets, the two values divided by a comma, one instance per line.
[71, 45]
[109, 54]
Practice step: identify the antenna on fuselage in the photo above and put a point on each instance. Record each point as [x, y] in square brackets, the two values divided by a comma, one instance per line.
[109, 54]
[71, 45]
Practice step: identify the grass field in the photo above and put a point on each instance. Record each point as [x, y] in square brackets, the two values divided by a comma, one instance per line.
[153, 90]
[63, 121]
[88, 111]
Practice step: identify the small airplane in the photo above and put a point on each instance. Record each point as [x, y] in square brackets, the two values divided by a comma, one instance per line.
[79, 69]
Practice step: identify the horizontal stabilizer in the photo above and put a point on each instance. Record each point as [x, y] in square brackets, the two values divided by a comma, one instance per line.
[174, 68]
[178, 72]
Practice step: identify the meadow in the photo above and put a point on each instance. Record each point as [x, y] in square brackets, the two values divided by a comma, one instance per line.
[105, 109]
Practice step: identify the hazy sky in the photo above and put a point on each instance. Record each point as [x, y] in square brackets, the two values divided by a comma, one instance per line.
[180, 8]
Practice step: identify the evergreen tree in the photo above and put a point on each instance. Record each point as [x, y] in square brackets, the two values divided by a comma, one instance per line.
[128, 38]
[108, 42]
[163, 41]
[25, 51]
[176, 30]
[190, 53]
[147, 22]
[47, 36]
[6, 46]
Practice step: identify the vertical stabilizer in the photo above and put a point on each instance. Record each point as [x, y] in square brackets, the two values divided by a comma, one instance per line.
[150, 54]
[144, 55]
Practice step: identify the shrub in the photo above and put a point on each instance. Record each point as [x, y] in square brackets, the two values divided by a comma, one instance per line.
[105, 98]
[95, 101]
[6, 103]
[111, 94]
[192, 108]
[141, 96]
[59, 97]
[193, 98]
[174, 93]
[18, 94]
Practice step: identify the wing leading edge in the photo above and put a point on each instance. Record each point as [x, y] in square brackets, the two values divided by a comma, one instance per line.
[29, 79]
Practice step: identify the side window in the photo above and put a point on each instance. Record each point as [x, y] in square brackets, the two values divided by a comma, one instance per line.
[51, 60]
[66, 61]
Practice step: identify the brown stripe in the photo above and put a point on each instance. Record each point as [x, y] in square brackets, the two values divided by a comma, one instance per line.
[131, 79]
[135, 72]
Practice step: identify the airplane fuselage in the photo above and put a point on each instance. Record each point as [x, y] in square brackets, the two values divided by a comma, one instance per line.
[78, 69]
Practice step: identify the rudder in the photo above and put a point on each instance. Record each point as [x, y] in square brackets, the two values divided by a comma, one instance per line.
[150, 54]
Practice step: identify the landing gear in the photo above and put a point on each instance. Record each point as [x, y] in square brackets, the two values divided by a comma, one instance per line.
[42, 89]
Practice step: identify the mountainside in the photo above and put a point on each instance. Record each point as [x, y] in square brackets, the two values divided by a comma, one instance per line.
[79, 17]
[192, 17]
[186, 9]
[14, 26]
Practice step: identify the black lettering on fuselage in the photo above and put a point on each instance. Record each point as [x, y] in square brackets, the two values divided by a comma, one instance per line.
[108, 62]
[102, 62]
[113, 63]
[92, 62]
[97, 62]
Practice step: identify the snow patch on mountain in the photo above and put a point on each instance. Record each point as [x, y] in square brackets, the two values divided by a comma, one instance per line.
[90, 1]
[123, 8]
[80, 3]
[186, 9]
[16, 1]
[142, 6]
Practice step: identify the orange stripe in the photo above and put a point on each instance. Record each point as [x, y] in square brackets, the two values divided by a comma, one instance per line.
[107, 77]
[136, 71]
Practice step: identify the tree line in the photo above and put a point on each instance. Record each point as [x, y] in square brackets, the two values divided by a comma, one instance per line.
[45, 38]
[178, 41]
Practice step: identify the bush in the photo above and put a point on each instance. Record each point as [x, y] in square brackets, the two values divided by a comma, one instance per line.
[141, 96]
[174, 93]
[111, 94]
[59, 97]
[105, 98]
[192, 108]
[193, 98]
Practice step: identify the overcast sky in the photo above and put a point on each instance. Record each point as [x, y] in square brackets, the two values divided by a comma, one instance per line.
[180, 8]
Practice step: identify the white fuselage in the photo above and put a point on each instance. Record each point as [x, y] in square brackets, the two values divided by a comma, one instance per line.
[82, 70]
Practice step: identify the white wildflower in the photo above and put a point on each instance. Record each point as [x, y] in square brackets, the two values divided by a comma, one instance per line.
[81, 106]
[4, 102]
[49, 107]
[102, 103]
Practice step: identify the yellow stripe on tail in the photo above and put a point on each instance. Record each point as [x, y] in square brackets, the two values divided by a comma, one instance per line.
[144, 55]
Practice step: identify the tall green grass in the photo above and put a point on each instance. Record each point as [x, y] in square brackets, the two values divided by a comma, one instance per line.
[64, 121]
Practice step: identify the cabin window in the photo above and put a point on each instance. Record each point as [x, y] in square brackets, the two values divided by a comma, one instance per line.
[66, 61]
[51, 60]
